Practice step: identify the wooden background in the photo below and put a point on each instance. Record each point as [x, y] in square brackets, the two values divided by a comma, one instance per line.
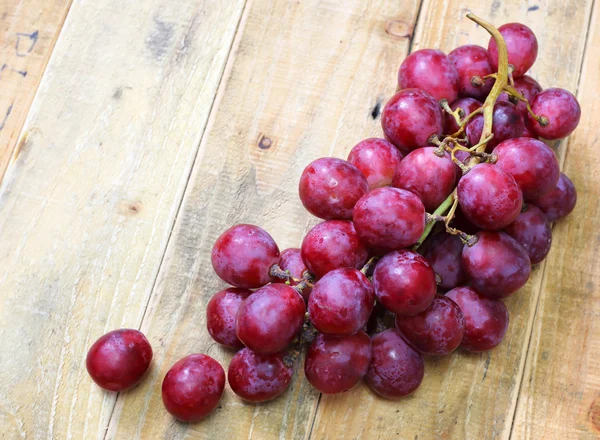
[130, 137]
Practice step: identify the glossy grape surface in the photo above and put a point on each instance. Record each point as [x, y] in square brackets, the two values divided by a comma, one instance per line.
[532, 230]
[377, 159]
[444, 253]
[561, 109]
[560, 201]
[472, 60]
[507, 123]
[522, 47]
[430, 70]
[220, 316]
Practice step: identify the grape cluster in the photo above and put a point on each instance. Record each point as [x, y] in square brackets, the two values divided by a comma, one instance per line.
[423, 233]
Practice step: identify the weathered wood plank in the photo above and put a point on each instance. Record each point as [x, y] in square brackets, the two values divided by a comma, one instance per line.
[465, 395]
[560, 396]
[88, 203]
[307, 76]
[28, 32]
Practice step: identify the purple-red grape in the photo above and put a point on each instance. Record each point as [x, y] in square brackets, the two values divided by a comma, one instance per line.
[532, 163]
[291, 261]
[220, 316]
[377, 159]
[258, 377]
[430, 70]
[243, 255]
[472, 60]
[489, 197]
[497, 266]
[269, 319]
[522, 47]
[119, 359]
[532, 230]
[396, 368]
[529, 88]
[389, 218]
[507, 123]
[427, 175]
[335, 364]
[468, 106]
[193, 387]
[561, 109]
[486, 320]
[341, 302]
[331, 245]
[330, 187]
[410, 118]
[559, 202]
[444, 253]
[404, 282]
[438, 330]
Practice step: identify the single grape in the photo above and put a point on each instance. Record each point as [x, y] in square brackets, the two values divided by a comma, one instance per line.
[486, 320]
[468, 106]
[472, 60]
[532, 163]
[243, 255]
[496, 265]
[427, 175]
[532, 230]
[410, 118]
[559, 202]
[396, 368]
[522, 48]
[529, 88]
[430, 70]
[335, 364]
[341, 302]
[377, 159]
[258, 377]
[560, 108]
[291, 260]
[193, 387]
[438, 330]
[220, 316]
[119, 359]
[404, 282]
[489, 197]
[330, 187]
[389, 218]
[444, 253]
[507, 123]
[331, 245]
[269, 319]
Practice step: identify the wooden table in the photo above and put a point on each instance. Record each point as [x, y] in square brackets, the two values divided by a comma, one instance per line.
[132, 133]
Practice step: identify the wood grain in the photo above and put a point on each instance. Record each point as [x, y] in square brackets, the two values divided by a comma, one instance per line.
[307, 76]
[28, 32]
[89, 201]
[468, 396]
[560, 397]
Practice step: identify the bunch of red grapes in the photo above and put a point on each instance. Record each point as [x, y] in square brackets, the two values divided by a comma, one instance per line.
[423, 233]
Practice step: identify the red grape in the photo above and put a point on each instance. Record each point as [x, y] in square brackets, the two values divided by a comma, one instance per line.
[396, 368]
[243, 255]
[529, 88]
[438, 330]
[489, 197]
[486, 320]
[559, 202]
[291, 261]
[335, 364]
[561, 109]
[330, 187]
[444, 253]
[220, 316]
[472, 60]
[404, 282]
[532, 163]
[389, 218]
[522, 48]
[193, 387]
[377, 159]
[269, 319]
[410, 118]
[496, 265]
[258, 378]
[532, 230]
[430, 70]
[341, 302]
[468, 106]
[331, 245]
[507, 123]
[427, 175]
[119, 359]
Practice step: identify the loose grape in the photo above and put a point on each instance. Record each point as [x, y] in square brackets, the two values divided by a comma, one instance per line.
[559, 202]
[532, 230]
[220, 316]
[560, 108]
[430, 70]
[377, 159]
[522, 48]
